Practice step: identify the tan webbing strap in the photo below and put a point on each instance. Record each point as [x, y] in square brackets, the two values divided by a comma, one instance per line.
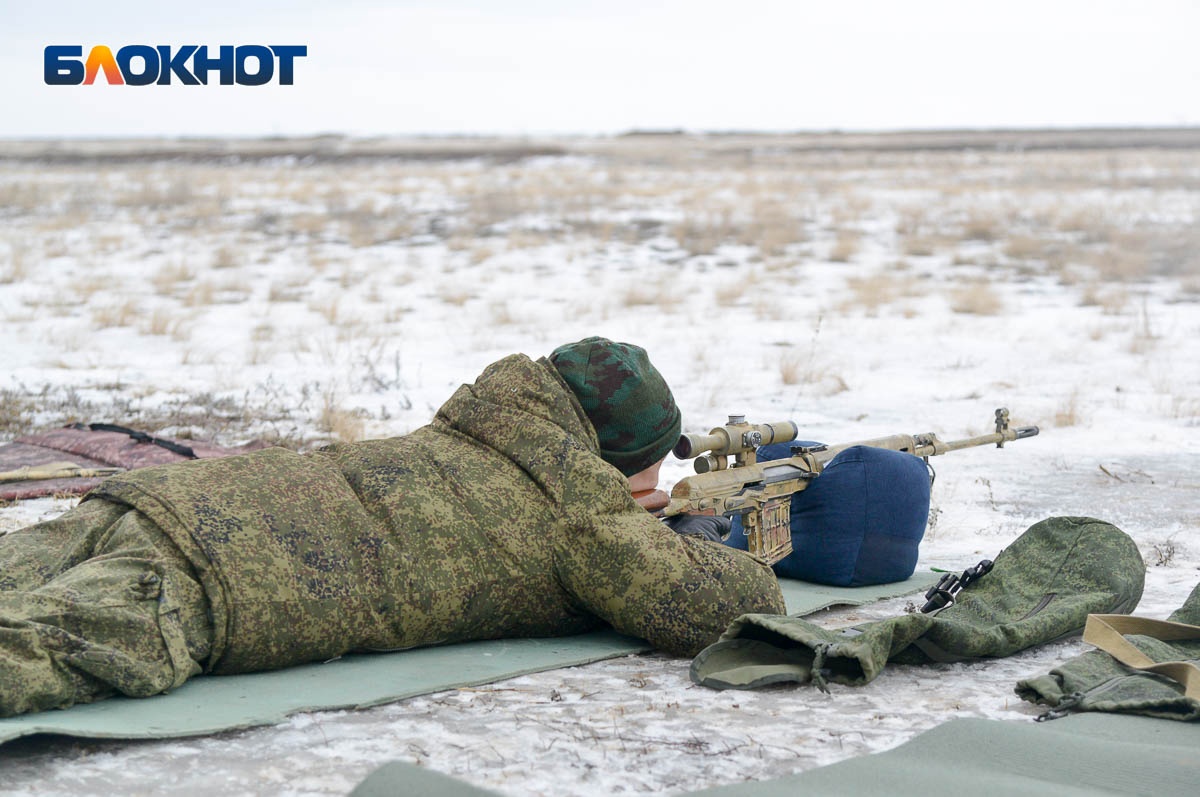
[1105, 632]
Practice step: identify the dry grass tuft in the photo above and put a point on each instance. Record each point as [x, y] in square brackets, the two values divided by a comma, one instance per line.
[769, 308]
[1024, 248]
[823, 382]
[346, 426]
[976, 298]
[1186, 408]
[115, 315]
[1145, 337]
[792, 368]
[160, 322]
[1089, 224]
[1111, 299]
[168, 278]
[16, 411]
[17, 267]
[352, 329]
[181, 330]
[85, 288]
[981, 227]
[1123, 261]
[454, 295]
[259, 353]
[731, 293]
[1067, 413]
[1189, 289]
[224, 257]
[202, 294]
[660, 294]
[350, 277]
[328, 309]
[919, 246]
[798, 368]
[700, 236]
[286, 291]
[878, 290]
[500, 314]
[772, 227]
[844, 248]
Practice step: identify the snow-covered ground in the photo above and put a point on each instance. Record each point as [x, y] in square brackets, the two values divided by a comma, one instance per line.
[859, 291]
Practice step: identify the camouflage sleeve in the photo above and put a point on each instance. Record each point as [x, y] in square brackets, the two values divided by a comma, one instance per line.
[679, 593]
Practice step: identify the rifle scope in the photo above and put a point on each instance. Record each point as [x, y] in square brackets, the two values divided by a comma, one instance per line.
[736, 437]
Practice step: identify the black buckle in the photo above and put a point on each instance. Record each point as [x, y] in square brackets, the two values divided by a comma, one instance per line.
[943, 593]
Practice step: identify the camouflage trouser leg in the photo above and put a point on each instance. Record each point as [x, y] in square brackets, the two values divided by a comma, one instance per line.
[95, 602]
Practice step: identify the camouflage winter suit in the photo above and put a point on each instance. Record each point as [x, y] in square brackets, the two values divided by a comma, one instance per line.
[498, 519]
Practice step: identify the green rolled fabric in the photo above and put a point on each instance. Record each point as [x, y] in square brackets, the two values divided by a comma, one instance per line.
[1097, 681]
[1041, 588]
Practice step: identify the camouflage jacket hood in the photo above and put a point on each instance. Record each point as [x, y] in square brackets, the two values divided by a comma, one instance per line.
[497, 519]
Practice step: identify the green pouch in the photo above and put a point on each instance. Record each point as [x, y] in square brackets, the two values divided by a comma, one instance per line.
[1142, 667]
[1041, 588]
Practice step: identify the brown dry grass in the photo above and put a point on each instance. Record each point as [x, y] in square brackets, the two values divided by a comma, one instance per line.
[207, 232]
[874, 291]
[121, 314]
[660, 293]
[1067, 413]
[919, 246]
[343, 425]
[17, 267]
[976, 298]
[329, 309]
[731, 293]
[844, 248]
[168, 278]
[982, 226]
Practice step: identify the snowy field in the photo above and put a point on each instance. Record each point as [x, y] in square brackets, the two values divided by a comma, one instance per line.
[311, 291]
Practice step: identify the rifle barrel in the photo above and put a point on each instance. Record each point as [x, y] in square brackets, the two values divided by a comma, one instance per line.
[999, 438]
[928, 444]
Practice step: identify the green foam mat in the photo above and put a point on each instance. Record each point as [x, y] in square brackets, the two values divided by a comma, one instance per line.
[804, 598]
[1086, 754]
[223, 703]
[1079, 756]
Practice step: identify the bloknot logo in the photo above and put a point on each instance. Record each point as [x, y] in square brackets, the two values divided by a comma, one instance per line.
[162, 65]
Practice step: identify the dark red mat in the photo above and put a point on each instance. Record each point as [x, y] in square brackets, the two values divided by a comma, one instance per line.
[91, 449]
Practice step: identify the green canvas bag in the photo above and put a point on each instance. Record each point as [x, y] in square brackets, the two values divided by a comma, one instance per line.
[1142, 666]
[1041, 587]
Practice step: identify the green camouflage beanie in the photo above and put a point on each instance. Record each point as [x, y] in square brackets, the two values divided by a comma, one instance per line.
[625, 398]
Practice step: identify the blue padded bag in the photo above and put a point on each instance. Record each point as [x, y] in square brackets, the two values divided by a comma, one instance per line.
[860, 522]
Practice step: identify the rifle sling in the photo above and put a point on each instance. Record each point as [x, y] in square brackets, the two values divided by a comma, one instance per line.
[1106, 631]
[141, 437]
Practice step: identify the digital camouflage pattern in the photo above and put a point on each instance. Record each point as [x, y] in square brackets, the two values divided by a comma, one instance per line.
[1042, 587]
[626, 399]
[1095, 681]
[498, 519]
[93, 602]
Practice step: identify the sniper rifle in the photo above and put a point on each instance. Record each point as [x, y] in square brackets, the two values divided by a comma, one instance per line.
[762, 492]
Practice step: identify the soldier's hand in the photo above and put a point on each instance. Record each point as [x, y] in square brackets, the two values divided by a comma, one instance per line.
[710, 527]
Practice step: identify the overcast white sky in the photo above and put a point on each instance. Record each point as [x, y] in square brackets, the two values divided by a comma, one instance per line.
[546, 66]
